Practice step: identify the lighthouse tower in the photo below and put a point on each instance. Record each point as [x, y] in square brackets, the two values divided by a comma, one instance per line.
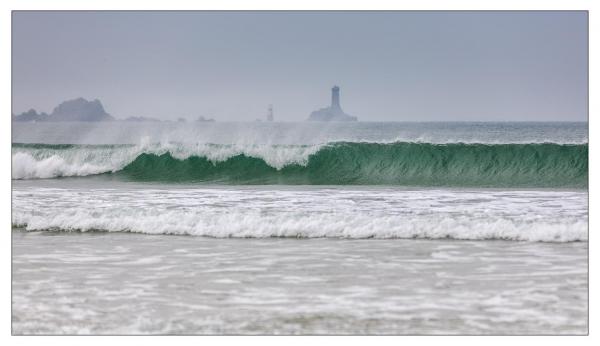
[270, 114]
[335, 97]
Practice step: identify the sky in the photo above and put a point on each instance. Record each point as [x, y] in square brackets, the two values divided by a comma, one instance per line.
[390, 66]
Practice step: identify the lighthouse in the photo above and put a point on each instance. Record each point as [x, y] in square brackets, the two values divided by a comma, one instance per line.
[270, 114]
[335, 97]
[333, 112]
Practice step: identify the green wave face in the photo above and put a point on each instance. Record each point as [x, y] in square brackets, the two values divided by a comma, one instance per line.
[406, 164]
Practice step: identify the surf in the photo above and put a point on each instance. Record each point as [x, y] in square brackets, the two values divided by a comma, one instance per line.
[338, 163]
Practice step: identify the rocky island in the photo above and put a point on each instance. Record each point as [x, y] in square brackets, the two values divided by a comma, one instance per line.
[78, 109]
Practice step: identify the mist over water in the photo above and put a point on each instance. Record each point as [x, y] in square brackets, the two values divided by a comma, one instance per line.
[304, 133]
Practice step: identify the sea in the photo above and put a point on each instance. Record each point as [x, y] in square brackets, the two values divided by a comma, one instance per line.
[267, 228]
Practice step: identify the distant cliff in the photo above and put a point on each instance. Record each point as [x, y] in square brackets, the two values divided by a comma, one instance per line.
[78, 109]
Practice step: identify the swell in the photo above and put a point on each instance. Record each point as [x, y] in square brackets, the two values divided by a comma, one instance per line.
[341, 163]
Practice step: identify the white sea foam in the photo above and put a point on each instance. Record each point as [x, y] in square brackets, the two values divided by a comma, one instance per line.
[256, 225]
[26, 166]
[276, 156]
[363, 213]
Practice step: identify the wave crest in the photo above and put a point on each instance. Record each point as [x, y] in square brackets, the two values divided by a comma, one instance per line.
[341, 163]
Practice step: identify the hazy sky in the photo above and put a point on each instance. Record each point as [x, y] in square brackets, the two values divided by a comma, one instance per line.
[392, 66]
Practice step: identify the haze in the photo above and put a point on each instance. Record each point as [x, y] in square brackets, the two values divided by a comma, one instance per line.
[391, 66]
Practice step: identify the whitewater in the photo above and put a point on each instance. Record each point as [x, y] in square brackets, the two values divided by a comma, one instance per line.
[252, 212]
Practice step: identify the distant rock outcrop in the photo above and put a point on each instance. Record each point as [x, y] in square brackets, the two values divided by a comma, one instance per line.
[30, 116]
[141, 119]
[202, 119]
[78, 109]
[333, 112]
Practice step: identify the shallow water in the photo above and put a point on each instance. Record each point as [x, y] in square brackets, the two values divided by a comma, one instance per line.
[72, 283]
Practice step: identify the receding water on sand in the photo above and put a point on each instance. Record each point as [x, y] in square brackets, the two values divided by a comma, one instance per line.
[135, 283]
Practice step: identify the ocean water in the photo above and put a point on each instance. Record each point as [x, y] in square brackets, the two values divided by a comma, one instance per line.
[293, 228]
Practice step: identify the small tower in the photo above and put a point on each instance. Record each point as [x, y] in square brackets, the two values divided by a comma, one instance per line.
[270, 113]
[335, 97]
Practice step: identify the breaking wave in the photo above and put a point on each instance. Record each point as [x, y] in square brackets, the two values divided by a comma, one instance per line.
[340, 163]
[256, 225]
